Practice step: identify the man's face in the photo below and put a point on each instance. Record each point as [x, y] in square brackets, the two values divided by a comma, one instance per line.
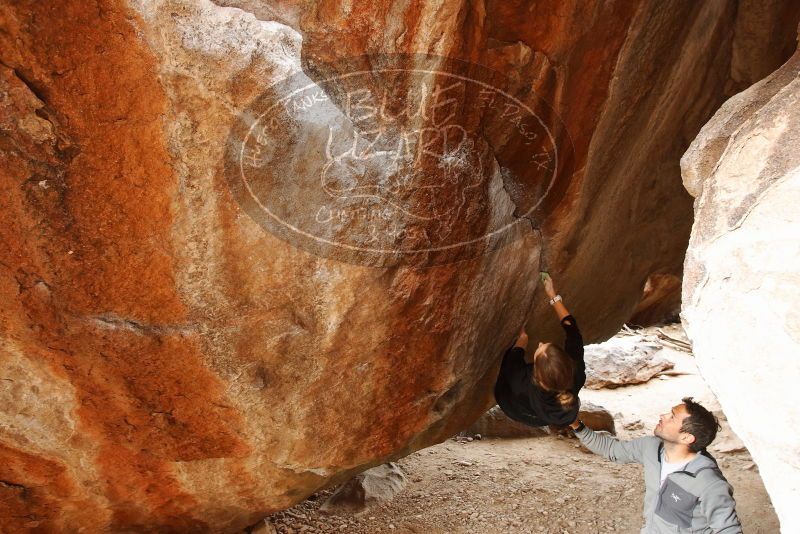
[669, 426]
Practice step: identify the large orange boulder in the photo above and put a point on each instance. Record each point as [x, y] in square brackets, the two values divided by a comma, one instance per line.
[236, 269]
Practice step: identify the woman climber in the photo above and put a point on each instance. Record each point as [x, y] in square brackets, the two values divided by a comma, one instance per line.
[544, 392]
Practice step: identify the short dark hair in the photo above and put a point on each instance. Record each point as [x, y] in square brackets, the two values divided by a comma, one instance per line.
[700, 423]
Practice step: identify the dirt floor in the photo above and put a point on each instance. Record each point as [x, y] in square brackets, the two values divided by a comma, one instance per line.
[544, 484]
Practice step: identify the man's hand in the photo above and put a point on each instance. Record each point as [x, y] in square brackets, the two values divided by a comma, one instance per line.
[575, 424]
[522, 340]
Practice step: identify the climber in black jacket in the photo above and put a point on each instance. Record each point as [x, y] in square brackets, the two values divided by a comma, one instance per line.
[544, 392]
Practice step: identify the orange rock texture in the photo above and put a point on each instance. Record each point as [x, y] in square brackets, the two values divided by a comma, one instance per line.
[167, 365]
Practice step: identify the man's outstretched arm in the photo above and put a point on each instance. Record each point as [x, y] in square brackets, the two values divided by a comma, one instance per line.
[622, 452]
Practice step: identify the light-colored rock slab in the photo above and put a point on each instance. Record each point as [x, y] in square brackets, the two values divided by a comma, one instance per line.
[623, 360]
[374, 486]
[742, 273]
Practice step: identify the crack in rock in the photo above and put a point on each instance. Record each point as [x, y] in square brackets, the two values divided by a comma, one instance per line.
[113, 322]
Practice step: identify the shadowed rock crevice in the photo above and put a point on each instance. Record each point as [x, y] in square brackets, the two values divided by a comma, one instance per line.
[113, 322]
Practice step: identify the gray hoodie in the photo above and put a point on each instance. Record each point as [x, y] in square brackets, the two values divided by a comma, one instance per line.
[697, 499]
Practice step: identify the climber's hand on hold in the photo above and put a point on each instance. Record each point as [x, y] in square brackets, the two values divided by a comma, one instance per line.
[549, 287]
[552, 295]
[522, 339]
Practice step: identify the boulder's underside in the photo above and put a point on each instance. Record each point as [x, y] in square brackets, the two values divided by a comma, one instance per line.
[190, 341]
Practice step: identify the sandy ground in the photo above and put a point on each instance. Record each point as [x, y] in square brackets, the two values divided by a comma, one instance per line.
[544, 484]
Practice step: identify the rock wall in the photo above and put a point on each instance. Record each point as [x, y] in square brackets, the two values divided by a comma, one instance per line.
[661, 301]
[742, 273]
[167, 364]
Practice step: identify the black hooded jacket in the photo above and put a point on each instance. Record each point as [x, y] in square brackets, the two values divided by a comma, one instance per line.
[522, 400]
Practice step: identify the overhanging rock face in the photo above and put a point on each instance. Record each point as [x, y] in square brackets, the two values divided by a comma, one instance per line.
[741, 284]
[189, 340]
